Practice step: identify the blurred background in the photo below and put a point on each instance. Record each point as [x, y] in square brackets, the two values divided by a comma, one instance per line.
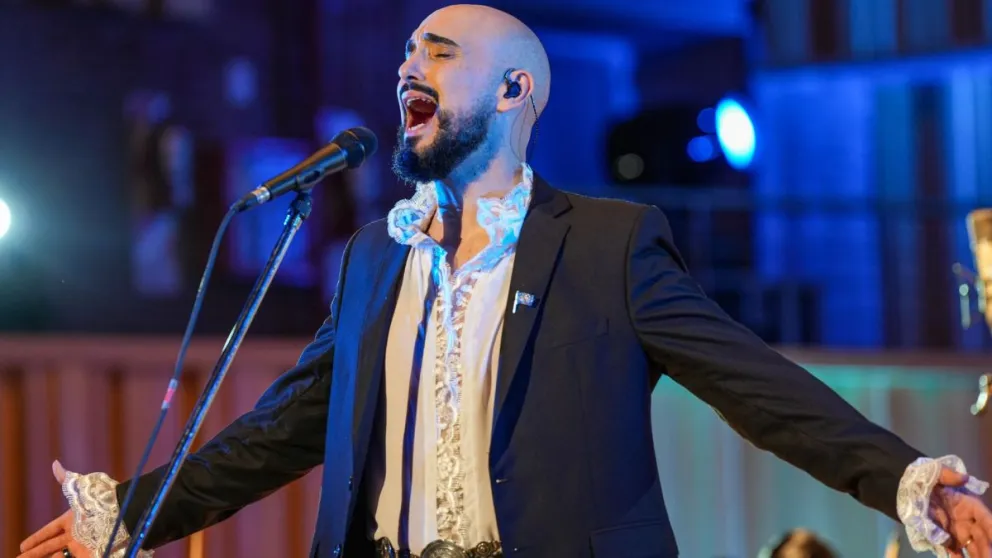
[816, 159]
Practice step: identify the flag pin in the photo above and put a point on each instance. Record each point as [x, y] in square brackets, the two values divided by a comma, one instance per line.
[524, 299]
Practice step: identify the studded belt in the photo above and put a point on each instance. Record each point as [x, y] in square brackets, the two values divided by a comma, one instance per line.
[441, 549]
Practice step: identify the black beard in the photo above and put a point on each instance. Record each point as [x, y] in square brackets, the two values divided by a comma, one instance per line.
[455, 140]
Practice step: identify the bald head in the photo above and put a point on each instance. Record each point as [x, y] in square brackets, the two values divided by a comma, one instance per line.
[452, 92]
[508, 42]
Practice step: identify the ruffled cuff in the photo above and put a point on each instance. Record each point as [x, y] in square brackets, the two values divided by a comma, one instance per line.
[93, 499]
[913, 501]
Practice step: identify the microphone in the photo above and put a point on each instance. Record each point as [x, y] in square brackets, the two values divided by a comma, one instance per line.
[979, 224]
[348, 150]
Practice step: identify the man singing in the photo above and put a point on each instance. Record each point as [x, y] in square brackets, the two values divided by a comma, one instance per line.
[482, 386]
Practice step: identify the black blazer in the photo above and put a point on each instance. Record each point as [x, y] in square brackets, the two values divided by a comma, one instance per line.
[572, 460]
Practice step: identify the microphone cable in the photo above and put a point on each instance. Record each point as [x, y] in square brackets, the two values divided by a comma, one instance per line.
[176, 374]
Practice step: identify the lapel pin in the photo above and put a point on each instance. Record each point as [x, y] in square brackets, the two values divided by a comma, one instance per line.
[522, 298]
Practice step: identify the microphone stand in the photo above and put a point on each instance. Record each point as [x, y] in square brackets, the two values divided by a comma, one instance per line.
[299, 211]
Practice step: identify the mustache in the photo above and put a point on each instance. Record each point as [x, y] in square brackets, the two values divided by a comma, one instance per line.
[420, 88]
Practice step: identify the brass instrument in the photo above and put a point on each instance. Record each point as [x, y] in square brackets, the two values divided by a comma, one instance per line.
[980, 239]
[893, 546]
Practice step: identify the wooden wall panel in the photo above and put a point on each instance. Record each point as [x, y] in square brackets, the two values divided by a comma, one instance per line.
[91, 402]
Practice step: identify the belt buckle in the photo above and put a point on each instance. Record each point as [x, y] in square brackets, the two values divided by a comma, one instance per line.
[443, 549]
[384, 549]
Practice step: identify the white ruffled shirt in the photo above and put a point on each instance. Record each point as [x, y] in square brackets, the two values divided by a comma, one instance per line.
[451, 495]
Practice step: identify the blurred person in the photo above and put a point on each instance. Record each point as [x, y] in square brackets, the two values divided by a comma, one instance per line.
[346, 204]
[163, 196]
[798, 543]
[339, 215]
[482, 386]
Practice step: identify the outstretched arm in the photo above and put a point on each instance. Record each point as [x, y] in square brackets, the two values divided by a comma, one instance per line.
[775, 404]
[277, 442]
[274, 444]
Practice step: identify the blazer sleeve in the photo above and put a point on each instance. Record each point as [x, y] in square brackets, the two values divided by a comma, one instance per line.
[280, 440]
[775, 404]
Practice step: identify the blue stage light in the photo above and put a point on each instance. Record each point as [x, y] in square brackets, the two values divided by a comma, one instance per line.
[5, 218]
[701, 149]
[735, 130]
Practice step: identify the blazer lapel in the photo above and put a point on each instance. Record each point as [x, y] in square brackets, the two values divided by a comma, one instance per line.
[374, 333]
[538, 248]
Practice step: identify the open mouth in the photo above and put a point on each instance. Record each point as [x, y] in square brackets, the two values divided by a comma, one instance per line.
[420, 111]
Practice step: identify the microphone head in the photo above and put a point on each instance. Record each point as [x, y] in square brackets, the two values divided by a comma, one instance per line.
[358, 145]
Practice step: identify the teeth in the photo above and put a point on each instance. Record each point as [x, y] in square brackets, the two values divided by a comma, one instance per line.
[412, 98]
[408, 99]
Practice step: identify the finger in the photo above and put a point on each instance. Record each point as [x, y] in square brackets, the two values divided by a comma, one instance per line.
[950, 477]
[961, 536]
[55, 528]
[971, 512]
[79, 551]
[983, 518]
[952, 549]
[59, 471]
[49, 547]
[979, 547]
[939, 515]
[967, 540]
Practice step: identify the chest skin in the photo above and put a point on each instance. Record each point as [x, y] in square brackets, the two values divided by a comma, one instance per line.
[461, 243]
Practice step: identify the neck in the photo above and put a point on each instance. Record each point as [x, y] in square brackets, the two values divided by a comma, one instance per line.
[457, 195]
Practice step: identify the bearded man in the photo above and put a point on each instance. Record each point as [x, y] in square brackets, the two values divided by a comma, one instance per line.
[482, 386]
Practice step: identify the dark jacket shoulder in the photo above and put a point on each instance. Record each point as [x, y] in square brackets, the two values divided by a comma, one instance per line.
[606, 209]
[370, 237]
[606, 219]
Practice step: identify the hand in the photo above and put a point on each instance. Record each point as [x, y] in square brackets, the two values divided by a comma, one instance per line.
[963, 516]
[52, 538]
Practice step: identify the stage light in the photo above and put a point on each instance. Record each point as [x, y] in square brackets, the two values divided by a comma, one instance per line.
[5, 218]
[707, 120]
[630, 166]
[701, 149]
[735, 130]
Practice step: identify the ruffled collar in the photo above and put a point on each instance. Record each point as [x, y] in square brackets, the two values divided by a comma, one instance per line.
[501, 218]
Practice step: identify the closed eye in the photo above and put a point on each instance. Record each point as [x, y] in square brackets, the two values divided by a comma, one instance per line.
[443, 55]
[438, 47]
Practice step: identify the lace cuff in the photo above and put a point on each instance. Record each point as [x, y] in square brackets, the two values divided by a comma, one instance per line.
[913, 501]
[93, 500]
